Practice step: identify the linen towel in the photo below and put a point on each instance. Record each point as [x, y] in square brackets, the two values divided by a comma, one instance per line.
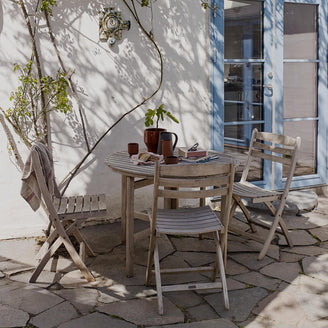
[30, 190]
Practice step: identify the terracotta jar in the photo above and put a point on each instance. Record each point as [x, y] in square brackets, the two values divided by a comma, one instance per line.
[151, 136]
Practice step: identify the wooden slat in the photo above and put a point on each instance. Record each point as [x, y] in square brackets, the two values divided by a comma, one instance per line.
[192, 286]
[62, 206]
[183, 270]
[184, 194]
[79, 204]
[86, 203]
[102, 202]
[143, 183]
[194, 182]
[56, 203]
[272, 158]
[94, 203]
[141, 216]
[71, 205]
[276, 138]
[274, 149]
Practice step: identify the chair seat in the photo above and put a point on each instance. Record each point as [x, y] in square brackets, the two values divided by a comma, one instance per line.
[248, 190]
[187, 221]
[81, 206]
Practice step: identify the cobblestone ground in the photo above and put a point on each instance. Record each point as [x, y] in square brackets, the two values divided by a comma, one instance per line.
[287, 289]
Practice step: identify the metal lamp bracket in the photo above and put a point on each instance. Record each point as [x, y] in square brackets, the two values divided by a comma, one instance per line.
[111, 25]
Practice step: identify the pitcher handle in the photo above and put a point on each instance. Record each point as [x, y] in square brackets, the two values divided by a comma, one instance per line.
[175, 142]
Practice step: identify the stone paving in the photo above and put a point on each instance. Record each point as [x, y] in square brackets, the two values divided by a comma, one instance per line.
[287, 289]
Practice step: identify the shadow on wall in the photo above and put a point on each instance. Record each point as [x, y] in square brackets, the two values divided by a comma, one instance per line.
[110, 81]
[1, 17]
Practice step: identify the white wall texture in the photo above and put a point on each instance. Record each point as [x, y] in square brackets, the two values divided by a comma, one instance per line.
[110, 82]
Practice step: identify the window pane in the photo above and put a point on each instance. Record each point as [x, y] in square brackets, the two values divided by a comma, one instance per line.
[307, 130]
[300, 31]
[300, 90]
[233, 82]
[242, 29]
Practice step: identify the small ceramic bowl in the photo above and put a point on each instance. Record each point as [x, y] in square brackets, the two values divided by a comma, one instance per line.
[171, 160]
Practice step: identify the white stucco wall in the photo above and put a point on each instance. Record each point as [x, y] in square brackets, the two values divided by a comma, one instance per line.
[110, 82]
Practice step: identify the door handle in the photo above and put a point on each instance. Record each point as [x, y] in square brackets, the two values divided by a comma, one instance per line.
[268, 86]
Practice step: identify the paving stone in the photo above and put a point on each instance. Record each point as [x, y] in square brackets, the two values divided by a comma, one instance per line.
[11, 267]
[193, 244]
[174, 261]
[317, 218]
[259, 280]
[259, 322]
[31, 299]
[241, 303]
[313, 324]
[299, 222]
[124, 292]
[12, 249]
[97, 320]
[238, 247]
[283, 271]
[321, 233]
[84, 299]
[195, 259]
[290, 257]
[105, 298]
[306, 250]
[55, 316]
[307, 284]
[281, 307]
[215, 323]
[202, 312]
[299, 238]
[184, 299]
[144, 312]
[45, 279]
[103, 238]
[273, 250]
[250, 260]
[11, 317]
[234, 268]
[316, 267]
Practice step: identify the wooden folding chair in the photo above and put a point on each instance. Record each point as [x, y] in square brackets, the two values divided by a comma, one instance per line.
[66, 214]
[277, 149]
[194, 181]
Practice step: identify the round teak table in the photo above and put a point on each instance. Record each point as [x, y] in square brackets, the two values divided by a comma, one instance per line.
[135, 177]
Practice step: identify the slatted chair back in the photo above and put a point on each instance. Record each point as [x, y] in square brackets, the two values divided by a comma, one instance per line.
[192, 181]
[275, 148]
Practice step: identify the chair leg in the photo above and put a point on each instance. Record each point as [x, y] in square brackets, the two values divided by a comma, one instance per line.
[245, 211]
[285, 232]
[222, 271]
[269, 238]
[158, 280]
[150, 259]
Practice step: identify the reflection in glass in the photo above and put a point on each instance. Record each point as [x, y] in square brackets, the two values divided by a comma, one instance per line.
[233, 82]
[307, 130]
[243, 29]
[240, 152]
[300, 90]
[300, 31]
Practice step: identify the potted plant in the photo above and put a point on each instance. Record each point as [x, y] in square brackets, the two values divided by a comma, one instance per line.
[152, 117]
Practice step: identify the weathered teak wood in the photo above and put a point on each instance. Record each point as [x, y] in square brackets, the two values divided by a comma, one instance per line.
[66, 214]
[181, 182]
[277, 149]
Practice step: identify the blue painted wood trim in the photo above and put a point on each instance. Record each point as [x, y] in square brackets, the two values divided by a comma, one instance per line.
[217, 77]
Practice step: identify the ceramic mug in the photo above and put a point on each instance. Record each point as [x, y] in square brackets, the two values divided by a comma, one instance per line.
[166, 136]
[133, 148]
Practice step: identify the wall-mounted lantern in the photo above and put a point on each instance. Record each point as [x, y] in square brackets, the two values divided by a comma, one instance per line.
[111, 25]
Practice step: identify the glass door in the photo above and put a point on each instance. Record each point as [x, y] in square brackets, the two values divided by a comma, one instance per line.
[270, 72]
[248, 88]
